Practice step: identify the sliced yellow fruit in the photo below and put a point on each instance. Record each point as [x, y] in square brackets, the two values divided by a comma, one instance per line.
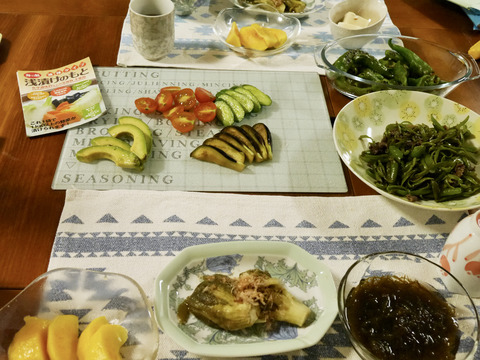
[30, 342]
[233, 37]
[63, 338]
[86, 335]
[474, 51]
[280, 35]
[105, 343]
[251, 39]
[267, 35]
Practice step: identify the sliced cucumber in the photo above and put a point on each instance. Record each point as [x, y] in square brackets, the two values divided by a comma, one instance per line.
[236, 107]
[224, 113]
[263, 98]
[257, 107]
[246, 103]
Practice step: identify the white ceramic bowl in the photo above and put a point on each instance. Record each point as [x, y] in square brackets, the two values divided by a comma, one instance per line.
[259, 15]
[370, 114]
[373, 10]
[304, 276]
[87, 294]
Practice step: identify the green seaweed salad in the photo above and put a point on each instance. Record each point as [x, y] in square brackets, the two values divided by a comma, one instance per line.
[400, 66]
[424, 163]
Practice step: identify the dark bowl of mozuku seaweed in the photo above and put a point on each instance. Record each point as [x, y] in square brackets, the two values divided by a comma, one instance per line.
[396, 306]
[361, 64]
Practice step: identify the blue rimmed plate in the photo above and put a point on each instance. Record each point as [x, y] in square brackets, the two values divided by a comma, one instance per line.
[308, 279]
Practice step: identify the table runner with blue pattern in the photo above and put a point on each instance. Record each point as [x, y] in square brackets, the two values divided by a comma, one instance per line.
[197, 47]
[137, 233]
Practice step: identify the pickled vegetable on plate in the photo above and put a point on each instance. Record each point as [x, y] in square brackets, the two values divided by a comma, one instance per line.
[424, 163]
[238, 303]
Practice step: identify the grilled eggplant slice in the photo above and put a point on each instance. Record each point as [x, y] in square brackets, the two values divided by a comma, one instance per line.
[228, 149]
[240, 136]
[249, 156]
[257, 140]
[266, 135]
[211, 154]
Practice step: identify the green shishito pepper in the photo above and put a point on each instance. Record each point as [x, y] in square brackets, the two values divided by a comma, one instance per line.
[417, 66]
[421, 162]
[399, 66]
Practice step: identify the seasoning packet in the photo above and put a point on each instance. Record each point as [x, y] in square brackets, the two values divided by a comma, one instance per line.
[59, 99]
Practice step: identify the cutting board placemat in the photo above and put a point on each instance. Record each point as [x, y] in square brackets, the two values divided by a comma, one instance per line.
[304, 156]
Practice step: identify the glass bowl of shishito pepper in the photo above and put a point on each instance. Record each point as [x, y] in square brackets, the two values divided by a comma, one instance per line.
[361, 64]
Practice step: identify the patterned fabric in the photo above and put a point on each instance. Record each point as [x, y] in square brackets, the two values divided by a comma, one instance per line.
[137, 233]
[196, 45]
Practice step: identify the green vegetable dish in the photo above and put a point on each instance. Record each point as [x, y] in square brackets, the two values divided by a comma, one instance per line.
[424, 163]
[399, 67]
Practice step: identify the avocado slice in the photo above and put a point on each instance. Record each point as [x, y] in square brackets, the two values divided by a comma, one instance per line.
[121, 157]
[210, 154]
[139, 145]
[110, 141]
[142, 126]
[257, 141]
[265, 133]
[228, 149]
[249, 156]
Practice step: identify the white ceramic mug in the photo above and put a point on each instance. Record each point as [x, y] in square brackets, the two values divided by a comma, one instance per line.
[153, 27]
[461, 253]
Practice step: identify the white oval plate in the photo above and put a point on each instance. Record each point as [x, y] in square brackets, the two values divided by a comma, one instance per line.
[370, 114]
[312, 283]
[312, 6]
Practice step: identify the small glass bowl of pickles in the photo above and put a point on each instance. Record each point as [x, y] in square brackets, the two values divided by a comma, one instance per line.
[361, 64]
[397, 305]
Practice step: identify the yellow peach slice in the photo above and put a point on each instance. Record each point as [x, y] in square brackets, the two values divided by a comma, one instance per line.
[30, 342]
[86, 335]
[63, 338]
[105, 343]
[233, 37]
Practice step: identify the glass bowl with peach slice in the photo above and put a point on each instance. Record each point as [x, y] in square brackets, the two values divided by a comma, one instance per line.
[255, 31]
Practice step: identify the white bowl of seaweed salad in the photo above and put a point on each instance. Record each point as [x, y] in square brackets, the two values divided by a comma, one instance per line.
[413, 147]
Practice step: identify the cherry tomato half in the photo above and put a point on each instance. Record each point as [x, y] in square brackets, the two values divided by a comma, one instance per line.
[164, 101]
[204, 95]
[171, 89]
[175, 110]
[205, 111]
[185, 97]
[146, 105]
[184, 122]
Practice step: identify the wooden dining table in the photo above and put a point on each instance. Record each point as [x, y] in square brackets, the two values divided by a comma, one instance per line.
[51, 33]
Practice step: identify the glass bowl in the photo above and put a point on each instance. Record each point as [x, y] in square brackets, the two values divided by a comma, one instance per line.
[264, 15]
[87, 294]
[452, 67]
[429, 274]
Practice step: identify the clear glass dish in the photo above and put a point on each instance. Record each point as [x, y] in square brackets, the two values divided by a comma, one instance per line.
[87, 294]
[260, 15]
[452, 67]
[429, 274]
